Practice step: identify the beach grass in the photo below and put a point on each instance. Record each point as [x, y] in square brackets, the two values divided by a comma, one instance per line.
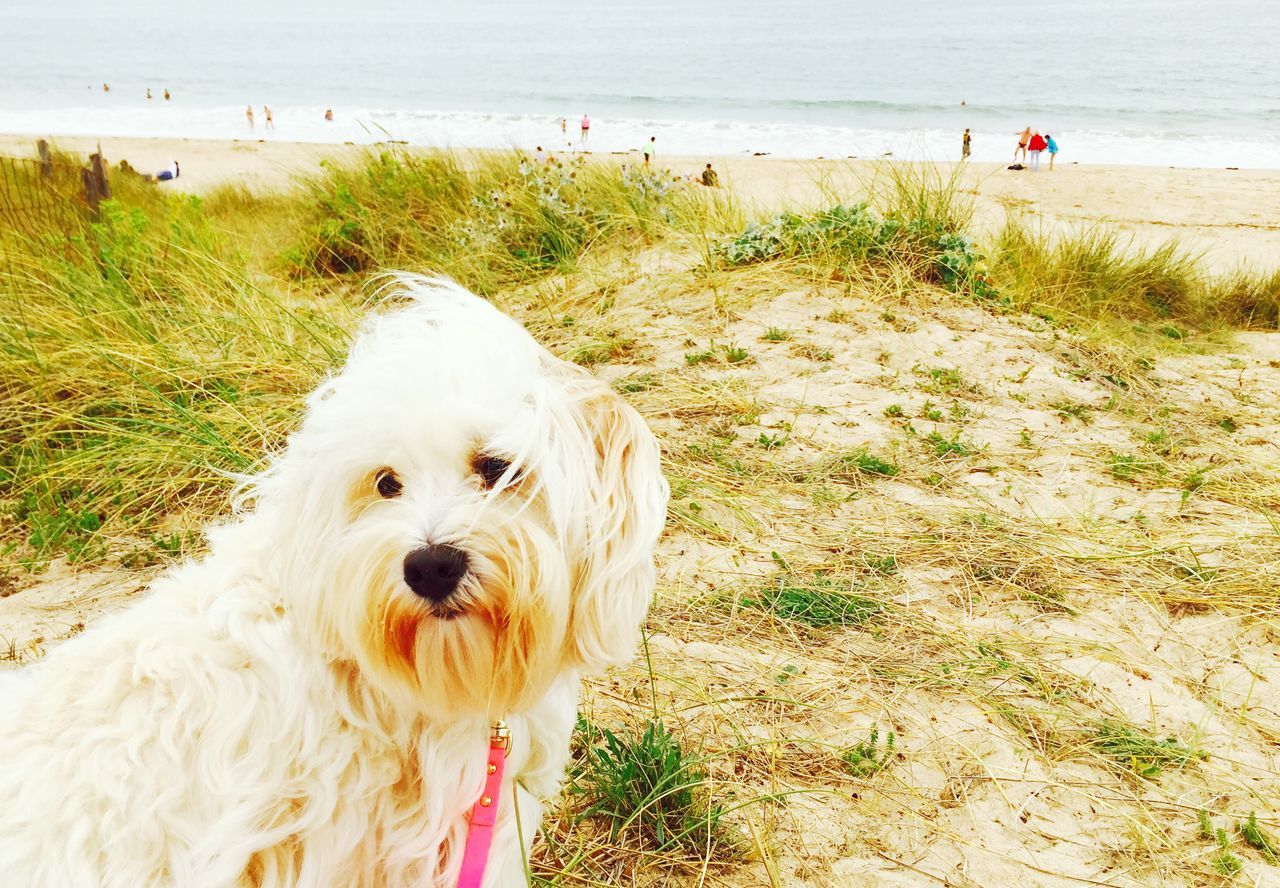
[971, 542]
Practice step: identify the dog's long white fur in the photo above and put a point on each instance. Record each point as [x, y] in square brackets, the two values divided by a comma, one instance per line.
[285, 711]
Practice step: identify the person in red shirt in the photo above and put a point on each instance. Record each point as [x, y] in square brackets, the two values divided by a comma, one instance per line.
[1034, 147]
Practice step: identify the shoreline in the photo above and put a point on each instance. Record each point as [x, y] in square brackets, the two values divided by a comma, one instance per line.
[1230, 217]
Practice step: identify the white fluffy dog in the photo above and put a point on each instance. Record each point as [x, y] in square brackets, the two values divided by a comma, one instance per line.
[462, 526]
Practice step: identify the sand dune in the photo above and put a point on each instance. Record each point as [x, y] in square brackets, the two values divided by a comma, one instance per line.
[1231, 216]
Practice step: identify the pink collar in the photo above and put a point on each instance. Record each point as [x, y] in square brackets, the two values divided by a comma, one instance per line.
[484, 813]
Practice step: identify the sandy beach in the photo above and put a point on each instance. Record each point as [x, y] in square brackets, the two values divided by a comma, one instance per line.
[1231, 217]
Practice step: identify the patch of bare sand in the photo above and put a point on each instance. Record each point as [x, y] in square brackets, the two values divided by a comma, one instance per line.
[1100, 564]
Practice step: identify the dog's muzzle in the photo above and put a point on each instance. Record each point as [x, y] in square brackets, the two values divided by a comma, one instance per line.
[434, 572]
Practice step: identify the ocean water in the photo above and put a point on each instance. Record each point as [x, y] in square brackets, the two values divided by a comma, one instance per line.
[1167, 82]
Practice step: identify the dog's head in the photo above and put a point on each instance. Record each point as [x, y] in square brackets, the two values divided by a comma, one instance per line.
[462, 515]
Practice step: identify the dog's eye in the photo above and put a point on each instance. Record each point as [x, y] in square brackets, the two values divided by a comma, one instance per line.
[491, 469]
[388, 484]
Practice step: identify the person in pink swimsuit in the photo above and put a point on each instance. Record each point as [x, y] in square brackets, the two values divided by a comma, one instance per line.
[586, 128]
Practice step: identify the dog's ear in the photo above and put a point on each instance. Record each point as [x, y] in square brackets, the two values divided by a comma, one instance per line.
[615, 578]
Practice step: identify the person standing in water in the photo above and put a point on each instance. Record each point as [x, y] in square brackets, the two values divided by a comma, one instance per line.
[166, 93]
[270, 121]
[148, 94]
[248, 115]
[586, 129]
[964, 145]
[1023, 138]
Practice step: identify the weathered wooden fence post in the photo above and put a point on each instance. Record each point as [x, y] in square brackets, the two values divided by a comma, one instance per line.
[46, 159]
[91, 196]
[96, 186]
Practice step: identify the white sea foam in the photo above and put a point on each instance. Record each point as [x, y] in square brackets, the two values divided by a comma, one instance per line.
[674, 137]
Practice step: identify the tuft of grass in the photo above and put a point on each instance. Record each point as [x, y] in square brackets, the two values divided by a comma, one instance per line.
[818, 599]
[848, 465]
[776, 334]
[812, 352]
[1125, 466]
[1247, 300]
[143, 366]
[636, 382]
[1140, 754]
[650, 790]
[608, 347]
[492, 220]
[1095, 276]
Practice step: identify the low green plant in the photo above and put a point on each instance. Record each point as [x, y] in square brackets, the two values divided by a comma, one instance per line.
[776, 334]
[945, 447]
[847, 465]
[1223, 861]
[869, 756]
[885, 565]
[1073, 410]
[1259, 839]
[636, 382]
[812, 352]
[1125, 466]
[893, 411]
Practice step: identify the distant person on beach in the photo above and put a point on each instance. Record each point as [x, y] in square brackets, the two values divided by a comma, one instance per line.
[169, 172]
[148, 94]
[1035, 146]
[271, 121]
[564, 126]
[106, 88]
[539, 156]
[709, 178]
[650, 147]
[166, 94]
[964, 145]
[1052, 146]
[1023, 138]
[586, 129]
[328, 114]
[248, 115]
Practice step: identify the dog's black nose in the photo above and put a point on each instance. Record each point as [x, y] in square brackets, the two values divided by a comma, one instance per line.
[435, 571]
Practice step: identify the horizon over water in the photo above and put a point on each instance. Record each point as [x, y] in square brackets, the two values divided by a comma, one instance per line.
[1164, 82]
